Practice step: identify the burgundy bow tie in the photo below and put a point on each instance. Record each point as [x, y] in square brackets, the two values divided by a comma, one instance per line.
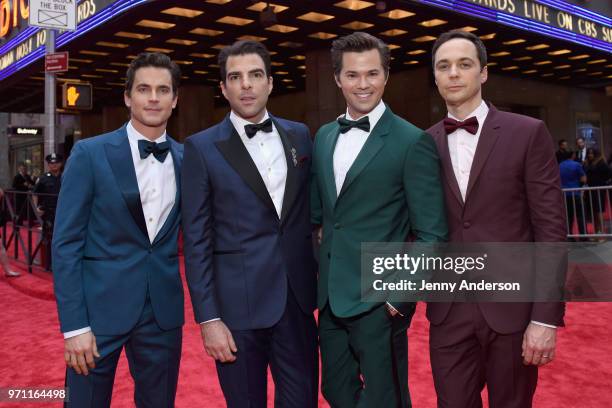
[470, 125]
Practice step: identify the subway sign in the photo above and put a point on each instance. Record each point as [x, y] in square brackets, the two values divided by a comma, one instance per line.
[552, 18]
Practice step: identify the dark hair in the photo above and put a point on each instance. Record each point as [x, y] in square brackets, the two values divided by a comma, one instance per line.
[580, 137]
[359, 42]
[561, 142]
[566, 155]
[152, 59]
[243, 48]
[481, 50]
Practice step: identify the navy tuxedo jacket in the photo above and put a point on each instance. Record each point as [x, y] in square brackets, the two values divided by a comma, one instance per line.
[103, 261]
[240, 257]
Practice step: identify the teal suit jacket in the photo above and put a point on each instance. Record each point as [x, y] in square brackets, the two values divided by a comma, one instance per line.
[392, 190]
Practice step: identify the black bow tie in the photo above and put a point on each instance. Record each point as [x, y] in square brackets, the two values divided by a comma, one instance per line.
[346, 125]
[470, 125]
[265, 126]
[159, 150]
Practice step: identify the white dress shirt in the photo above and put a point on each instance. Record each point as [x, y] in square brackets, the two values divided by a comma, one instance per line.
[157, 187]
[268, 154]
[462, 148]
[349, 145]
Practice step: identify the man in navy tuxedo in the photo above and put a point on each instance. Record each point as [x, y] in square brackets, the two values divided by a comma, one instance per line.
[248, 249]
[115, 260]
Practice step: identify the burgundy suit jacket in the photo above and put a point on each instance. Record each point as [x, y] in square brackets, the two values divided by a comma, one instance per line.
[513, 195]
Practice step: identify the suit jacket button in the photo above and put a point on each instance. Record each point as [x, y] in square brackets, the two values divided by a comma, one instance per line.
[328, 255]
[337, 225]
[150, 250]
[467, 225]
[280, 231]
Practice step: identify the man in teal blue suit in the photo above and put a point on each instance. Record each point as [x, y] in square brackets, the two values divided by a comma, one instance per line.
[115, 261]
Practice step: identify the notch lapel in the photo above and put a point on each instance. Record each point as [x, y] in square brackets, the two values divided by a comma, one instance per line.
[120, 159]
[488, 137]
[236, 154]
[447, 164]
[291, 182]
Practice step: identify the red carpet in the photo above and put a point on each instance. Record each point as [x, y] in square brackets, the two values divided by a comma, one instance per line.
[32, 355]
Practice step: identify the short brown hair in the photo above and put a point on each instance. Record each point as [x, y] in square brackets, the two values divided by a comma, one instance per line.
[243, 48]
[481, 50]
[359, 42]
[152, 59]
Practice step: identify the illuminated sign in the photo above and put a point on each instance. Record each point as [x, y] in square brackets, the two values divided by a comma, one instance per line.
[12, 13]
[27, 46]
[76, 95]
[25, 131]
[552, 18]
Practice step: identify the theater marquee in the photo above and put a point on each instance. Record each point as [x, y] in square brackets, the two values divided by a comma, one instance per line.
[553, 18]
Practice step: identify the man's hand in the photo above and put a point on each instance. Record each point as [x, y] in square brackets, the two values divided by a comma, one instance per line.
[319, 235]
[80, 352]
[539, 344]
[218, 341]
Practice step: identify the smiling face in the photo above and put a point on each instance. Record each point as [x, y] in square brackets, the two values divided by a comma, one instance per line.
[246, 86]
[459, 76]
[151, 100]
[362, 80]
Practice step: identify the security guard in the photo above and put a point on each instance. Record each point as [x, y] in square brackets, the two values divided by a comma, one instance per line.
[48, 186]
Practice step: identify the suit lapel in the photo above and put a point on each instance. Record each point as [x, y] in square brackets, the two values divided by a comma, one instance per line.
[236, 154]
[327, 162]
[447, 164]
[177, 199]
[369, 150]
[291, 182]
[488, 137]
[119, 156]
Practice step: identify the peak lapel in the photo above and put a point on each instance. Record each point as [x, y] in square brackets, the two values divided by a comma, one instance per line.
[327, 160]
[488, 137]
[120, 159]
[447, 164]
[291, 183]
[369, 150]
[236, 154]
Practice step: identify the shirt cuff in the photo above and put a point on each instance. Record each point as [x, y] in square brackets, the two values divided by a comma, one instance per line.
[211, 320]
[552, 326]
[394, 309]
[75, 333]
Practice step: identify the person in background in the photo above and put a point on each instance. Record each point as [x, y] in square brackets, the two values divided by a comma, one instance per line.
[573, 176]
[598, 175]
[22, 183]
[563, 147]
[581, 150]
[45, 191]
[4, 262]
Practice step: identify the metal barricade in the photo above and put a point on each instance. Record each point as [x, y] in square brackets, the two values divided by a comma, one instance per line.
[589, 212]
[26, 235]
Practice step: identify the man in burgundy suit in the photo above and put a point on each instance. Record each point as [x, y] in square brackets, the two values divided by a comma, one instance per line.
[501, 184]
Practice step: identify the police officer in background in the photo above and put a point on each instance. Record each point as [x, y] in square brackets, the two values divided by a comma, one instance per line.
[48, 186]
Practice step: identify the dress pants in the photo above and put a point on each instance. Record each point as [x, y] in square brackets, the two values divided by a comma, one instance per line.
[289, 348]
[153, 355]
[364, 359]
[466, 354]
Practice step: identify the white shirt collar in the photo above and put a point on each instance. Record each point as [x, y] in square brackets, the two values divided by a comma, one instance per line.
[374, 115]
[134, 136]
[239, 123]
[480, 112]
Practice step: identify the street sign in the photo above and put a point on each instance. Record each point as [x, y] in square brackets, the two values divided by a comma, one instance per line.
[56, 62]
[54, 14]
[76, 95]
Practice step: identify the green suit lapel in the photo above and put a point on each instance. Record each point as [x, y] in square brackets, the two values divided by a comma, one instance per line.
[371, 147]
[328, 162]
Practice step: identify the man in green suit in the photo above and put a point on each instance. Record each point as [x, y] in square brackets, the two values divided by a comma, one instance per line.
[375, 179]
